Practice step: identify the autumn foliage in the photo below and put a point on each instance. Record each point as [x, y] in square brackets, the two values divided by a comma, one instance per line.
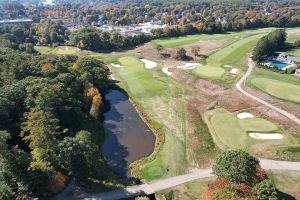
[47, 66]
[58, 182]
[93, 93]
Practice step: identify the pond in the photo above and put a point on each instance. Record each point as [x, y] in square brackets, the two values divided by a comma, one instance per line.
[128, 138]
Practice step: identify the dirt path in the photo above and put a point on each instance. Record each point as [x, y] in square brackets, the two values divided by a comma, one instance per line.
[239, 87]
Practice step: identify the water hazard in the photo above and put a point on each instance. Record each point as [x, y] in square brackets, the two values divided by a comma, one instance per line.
[128, 137]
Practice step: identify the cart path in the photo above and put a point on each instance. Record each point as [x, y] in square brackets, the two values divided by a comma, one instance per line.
[243, 79]
[156, 186]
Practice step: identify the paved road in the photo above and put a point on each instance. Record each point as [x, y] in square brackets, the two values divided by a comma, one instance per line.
[242, 80]
[152, 187]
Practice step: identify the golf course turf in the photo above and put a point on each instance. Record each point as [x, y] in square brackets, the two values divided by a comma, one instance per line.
[232, 133]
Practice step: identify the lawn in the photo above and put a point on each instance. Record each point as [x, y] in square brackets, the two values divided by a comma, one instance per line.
[232, 133]
[281, 86]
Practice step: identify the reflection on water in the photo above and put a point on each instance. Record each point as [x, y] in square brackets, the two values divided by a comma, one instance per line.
[128, 137]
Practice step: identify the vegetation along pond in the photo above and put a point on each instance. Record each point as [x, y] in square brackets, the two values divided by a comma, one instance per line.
[128, 136]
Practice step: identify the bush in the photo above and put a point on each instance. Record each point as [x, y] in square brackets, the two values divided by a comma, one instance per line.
[265, 191]
[181, 54]
[297, 43]
[237, 166]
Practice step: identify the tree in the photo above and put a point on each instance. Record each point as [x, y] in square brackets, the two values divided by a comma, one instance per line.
[81, 45]
[79, 155]
[181, 54]
[236, 166]
[265, 191]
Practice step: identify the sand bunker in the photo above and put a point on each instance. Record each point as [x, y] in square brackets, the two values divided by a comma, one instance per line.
[227, 66]
[115, 65]
[189, 66]
[244, 115]
[149, 64]
[266, 136]
[166, 71]
[234, 71]
[200, 41]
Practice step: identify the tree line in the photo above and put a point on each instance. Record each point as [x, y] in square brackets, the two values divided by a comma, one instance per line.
[48, 122]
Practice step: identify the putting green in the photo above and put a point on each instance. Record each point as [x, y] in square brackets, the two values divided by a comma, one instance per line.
[232, 132]
[209, 72]
[279, 89]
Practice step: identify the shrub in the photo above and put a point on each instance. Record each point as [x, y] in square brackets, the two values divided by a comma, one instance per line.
[181, 54]
[265, 191]
[236, 165]
[297, 43]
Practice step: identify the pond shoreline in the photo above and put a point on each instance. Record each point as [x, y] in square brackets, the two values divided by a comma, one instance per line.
[154, 126]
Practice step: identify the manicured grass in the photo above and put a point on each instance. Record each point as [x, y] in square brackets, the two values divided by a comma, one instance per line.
[140, 82]
[209, 72]
[179, 41]
[282, 86]
[61, 50]
[233, 55]
[232, 132]
[278, 89]
[183, 40]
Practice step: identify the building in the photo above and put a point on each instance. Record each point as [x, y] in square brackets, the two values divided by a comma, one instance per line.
[48, 3]
[8, 22]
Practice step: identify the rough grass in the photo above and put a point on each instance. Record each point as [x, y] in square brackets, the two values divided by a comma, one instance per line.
[190, 190]
[231, 132]
[282, 86]
[286, 181]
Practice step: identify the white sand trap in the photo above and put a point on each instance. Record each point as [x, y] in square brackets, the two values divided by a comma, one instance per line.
[115, 65]
[266, 136]
[189, 66]
[149, 64]
[67, 48]
[244, 115]
[200, 41]
[227, 66]
[166, 71]
[234, 71]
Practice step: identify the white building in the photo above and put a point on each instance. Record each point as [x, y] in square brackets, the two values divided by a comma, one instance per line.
[48, 2]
